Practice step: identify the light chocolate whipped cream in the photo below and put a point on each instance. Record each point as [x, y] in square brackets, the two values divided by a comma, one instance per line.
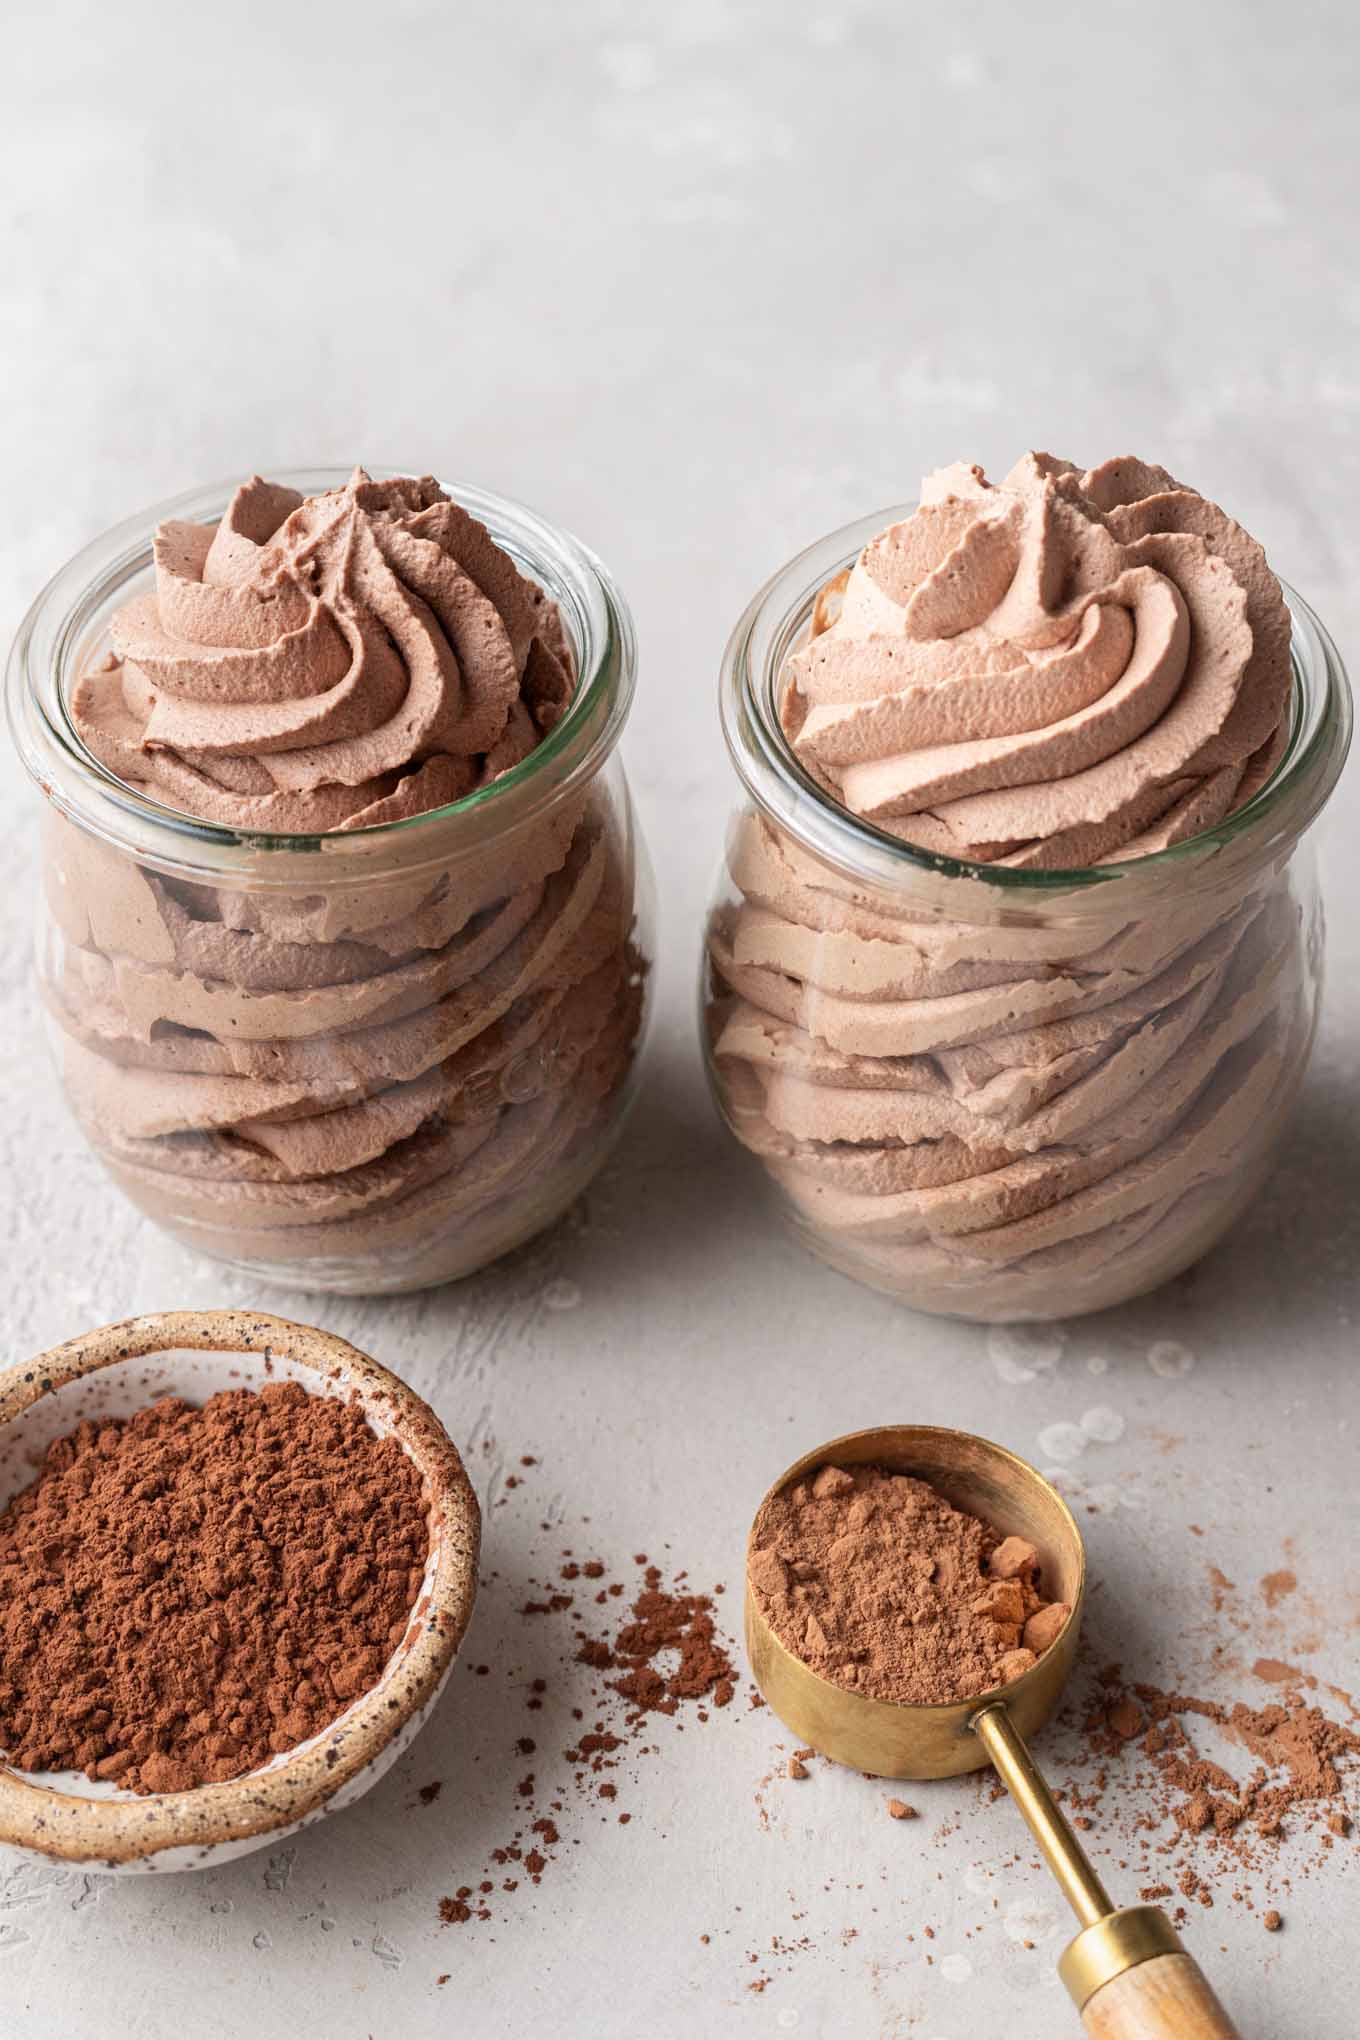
[326, 662]
[1062, 670]
[990, 1112]
[380, 1070]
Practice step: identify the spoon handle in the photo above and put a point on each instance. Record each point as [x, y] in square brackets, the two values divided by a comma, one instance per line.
[1165, 1998]
[1127, 1972]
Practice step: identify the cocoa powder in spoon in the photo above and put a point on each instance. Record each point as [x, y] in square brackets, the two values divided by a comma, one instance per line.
[881, 1586]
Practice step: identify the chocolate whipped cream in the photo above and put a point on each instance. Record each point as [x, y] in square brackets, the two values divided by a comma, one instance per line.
[326, 662]
[357, 1069]
[1061, 670]
[1023, 1105]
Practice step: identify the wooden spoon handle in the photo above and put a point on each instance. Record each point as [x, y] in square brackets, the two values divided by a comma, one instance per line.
[1164, 1998]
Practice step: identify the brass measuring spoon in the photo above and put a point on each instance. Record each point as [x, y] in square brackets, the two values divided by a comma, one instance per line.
[1126, 1970]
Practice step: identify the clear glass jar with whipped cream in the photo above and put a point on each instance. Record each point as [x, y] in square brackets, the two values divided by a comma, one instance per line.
[1014, 1085]
[345, 925]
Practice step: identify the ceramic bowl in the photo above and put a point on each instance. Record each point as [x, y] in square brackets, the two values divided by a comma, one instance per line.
[120, 1369]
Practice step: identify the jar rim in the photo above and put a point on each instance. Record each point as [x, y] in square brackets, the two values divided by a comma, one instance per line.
[61, 631]
[770, 627]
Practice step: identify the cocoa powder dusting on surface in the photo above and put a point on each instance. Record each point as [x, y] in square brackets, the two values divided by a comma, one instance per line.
[188, 1592]
[1197, 1791]
[879, 1585]
[624, 1657]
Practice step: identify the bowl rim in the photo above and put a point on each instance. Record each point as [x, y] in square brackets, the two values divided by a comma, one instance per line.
[118, 1832]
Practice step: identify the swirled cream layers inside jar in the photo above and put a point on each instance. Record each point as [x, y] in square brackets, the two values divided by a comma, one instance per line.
[345, 951]
[1013, 968]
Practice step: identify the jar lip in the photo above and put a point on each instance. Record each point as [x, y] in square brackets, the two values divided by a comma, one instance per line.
[61, 629]
[769, 629]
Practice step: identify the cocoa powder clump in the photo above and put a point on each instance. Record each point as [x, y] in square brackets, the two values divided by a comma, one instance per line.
[883, 1587]
[190, 1591]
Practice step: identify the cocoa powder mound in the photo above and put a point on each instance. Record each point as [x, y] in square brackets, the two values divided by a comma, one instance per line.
[191, 1591]
[881, 1586]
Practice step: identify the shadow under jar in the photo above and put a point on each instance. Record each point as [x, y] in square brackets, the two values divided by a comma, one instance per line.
[1001, 1093]
[359, 1061]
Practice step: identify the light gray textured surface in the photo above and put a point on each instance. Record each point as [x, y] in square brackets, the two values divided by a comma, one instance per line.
[701, 282]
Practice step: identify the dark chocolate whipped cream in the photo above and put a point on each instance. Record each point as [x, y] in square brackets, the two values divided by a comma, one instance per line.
[376, 1069]
[994, 1111]
[1060, 670]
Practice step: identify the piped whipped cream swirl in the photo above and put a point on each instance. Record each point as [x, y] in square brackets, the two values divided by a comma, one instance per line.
[1062, 670]
[328, 662]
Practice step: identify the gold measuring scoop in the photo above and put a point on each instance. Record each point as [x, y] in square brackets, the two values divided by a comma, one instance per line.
[1126, 1971]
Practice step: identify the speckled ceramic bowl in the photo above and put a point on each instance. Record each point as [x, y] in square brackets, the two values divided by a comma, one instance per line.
[120, 1369]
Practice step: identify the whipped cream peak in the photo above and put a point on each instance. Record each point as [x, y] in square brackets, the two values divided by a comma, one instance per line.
[326, 662]
[1060, 669]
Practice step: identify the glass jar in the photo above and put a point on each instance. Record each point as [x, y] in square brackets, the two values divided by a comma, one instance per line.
[1000, 1093]
[364, 1061]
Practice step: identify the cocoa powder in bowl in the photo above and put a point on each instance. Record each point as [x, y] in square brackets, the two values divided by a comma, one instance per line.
[190, 1591]
[883, 1587]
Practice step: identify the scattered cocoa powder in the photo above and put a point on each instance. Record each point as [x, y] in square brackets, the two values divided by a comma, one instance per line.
[664, 1622]
[1207, 1788]
[188, 1592]
[660, 1655]
[883, 1587]
[1125, 1718]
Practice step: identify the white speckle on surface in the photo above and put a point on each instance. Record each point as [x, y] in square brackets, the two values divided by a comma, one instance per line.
[1026, 1921]
[1246, 195]
[1133, 1496]
[629, 66]
[1104, 1495]
[977, 1881]
[1170, 1359]
[390, 1957]
[924, 380]
[1019, 1353]
[964, 70]
[562, 1295]
[1103, 1424]
[787, 2019]
[1097, 1364]
[261, 1941]
[1063, 1441]
[956, 1969]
